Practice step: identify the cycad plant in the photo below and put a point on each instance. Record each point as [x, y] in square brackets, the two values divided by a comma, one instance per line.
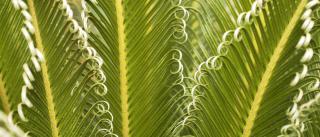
[159, 68]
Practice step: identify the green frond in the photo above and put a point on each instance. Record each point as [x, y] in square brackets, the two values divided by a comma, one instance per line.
[159, 68]
[247, 73]
[64, 95]
[137, 45]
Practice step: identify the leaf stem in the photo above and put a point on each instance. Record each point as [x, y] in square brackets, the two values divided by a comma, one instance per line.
[123, 69]
[45, 75]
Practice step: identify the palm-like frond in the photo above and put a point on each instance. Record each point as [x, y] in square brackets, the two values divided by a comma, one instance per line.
[139, 47]
[63, 90]
[170, 68]
[245, 80]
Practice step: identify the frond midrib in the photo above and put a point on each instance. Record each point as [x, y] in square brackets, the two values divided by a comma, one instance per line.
[4, 96]
[270, 68]
[123, 69]
[45, 75]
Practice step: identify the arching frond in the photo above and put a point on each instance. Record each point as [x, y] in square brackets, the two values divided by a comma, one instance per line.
[62, 95]
[141, 52]
[159, 68]
[249, 68]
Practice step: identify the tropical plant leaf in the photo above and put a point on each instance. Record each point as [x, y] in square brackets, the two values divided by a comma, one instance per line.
[243, 87]
[63, 95]
[141, 49]
[206, 68]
